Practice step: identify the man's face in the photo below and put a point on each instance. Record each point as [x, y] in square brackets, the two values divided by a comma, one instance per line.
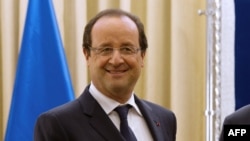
[116, 74]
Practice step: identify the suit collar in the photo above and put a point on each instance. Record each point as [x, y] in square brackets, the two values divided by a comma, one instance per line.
[98, 119]
[108, 104]
[151, 119]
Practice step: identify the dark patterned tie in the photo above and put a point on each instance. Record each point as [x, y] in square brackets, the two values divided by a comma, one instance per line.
[124, 128]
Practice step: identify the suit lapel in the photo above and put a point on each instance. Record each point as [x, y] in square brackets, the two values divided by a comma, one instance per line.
[152, 119]
[98, 119]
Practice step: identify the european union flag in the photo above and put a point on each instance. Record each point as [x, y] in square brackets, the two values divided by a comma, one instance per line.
[42, 76]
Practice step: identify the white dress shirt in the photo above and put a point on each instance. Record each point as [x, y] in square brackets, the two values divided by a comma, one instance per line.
[135, 119]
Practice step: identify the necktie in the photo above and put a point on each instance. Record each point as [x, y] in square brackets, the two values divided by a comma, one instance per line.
[124, 128]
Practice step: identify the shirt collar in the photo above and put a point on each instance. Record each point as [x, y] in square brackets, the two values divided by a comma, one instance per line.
[109, 104]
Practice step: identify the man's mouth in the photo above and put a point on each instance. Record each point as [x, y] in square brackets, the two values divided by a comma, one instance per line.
[116, 71]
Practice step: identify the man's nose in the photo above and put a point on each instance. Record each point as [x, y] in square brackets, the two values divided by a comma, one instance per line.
[116, 57]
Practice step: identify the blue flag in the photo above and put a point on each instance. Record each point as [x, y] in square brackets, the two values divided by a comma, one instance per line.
[242, 53]
[42, 77]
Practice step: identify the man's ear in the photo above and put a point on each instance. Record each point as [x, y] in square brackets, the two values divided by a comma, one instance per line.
[86, 53]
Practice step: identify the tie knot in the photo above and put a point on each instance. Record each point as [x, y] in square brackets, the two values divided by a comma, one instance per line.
[122, 111]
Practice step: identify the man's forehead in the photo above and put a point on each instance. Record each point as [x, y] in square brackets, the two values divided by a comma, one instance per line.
[115, 20]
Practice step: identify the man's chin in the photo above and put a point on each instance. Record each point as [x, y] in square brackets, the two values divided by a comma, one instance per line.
[118, 85]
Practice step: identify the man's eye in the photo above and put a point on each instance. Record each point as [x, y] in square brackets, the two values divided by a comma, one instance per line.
[127, 49]
[108, 49]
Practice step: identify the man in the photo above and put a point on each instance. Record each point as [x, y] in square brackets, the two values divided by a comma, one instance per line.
[239, 117]
[114, 45]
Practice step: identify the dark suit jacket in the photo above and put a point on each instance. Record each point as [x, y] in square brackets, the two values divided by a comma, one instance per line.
[84, 120]
[239, 117]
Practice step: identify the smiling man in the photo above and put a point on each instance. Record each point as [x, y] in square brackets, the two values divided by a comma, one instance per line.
[114, 45]
[115, 73]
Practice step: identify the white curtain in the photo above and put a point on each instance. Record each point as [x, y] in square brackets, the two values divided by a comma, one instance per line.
[227, 55]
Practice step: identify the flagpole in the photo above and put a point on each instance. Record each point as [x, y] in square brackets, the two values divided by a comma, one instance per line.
[213, 69]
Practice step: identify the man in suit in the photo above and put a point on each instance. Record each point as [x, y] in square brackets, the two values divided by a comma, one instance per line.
[114, 45]
[239, 117]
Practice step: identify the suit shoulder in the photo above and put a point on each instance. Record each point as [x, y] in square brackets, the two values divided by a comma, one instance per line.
[158, 108]
[243, 111]
[63, 109]
[240, 116]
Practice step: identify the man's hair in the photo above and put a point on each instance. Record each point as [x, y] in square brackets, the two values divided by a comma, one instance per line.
[87, 40]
